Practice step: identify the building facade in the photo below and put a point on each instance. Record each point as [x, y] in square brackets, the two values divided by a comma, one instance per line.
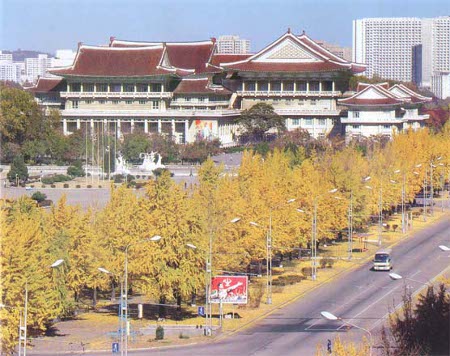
[343, 52]
[403, 49]
[440, 84]
[232, 45]
[190, 91]
[37, 67]
[380, 110]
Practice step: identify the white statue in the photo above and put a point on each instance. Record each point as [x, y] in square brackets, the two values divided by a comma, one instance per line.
[121, 166]
[149, 164]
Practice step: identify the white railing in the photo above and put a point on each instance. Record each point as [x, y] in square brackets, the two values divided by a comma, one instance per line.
[321, 112]
[78, 113]
[115, 95]
[198, 103]
[288, 93]
[346, 120]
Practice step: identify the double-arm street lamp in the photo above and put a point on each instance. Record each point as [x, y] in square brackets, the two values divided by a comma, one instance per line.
[332, 317]
[124, 326]
[269, 249]
[24, 316]
[314, 233]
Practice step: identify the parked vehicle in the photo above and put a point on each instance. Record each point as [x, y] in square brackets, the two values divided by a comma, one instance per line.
[382, 260]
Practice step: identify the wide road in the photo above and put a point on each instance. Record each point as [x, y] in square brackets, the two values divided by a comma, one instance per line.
[361, 297]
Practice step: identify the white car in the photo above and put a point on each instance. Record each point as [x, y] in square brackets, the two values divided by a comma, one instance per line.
[382, 260]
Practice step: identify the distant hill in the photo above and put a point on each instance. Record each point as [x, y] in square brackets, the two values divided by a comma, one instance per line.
[20, 54]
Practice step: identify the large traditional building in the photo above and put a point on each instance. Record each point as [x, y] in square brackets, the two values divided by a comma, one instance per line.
[189, 91]
[380, 110]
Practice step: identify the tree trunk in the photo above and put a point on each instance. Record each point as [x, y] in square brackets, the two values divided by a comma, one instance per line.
[162, 308]
[113, 291]
[94, 297]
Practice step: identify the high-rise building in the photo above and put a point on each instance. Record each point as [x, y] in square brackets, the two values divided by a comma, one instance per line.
[37, 67]
[404, 49]
[440, 84]
[9, 70]
[232, 45]
[343, 52]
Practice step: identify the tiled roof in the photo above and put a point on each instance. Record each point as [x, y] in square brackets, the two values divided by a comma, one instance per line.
[115, 62]
[46, 85]
[370, 102]
[181, 55]
[362, 86]
[219, 58]
[200, 86]
[321, 60]
[284, 67]
[396, 95]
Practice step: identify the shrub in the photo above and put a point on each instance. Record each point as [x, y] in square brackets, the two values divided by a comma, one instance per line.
[288, 279]
[45, 202]
[66, 185]
[159, 334]
[326, 262]
[89, 186]
[307, 271]
[48, 180]
[99, 186]
[43, 186]
[38, 196]
[157, 172]
[53, 186]
[75, 171]
[394, 227]
[78, 186]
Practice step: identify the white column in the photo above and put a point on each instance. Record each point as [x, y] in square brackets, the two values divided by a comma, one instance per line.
[119, 128]
[269, 86]
[159, 126]
[307, 86]
[173, 127]
[333, 88]
[243, 86]
[81, 87]
[162, 87]
[146, 126]
[64, 126]
[78, 124]
[295, 85]
[256, 85]
[186, 131]
[320, 85]
[282, 86]
[132, 125]
[92, 126]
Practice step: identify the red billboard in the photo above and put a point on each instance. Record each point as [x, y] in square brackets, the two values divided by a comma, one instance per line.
[229, 289]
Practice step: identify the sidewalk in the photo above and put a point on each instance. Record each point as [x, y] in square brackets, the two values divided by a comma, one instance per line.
[95, 331]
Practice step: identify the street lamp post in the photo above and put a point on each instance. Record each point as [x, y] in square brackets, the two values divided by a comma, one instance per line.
[332, 317]
[269, 251]
[431, 182]
[125, 306]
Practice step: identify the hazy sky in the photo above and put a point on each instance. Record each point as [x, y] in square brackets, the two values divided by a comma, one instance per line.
[47, 25]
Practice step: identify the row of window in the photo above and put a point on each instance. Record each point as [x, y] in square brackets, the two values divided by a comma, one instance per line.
[358, 127]
[154, 103]
[116, 87]
[308, 121]
[290, 101]
[288, 86]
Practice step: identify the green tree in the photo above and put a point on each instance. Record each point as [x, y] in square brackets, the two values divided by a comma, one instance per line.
[422, 329]
[259, 119]
[18, 170]
[134, 144]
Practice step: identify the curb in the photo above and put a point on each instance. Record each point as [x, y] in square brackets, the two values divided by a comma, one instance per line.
[269, 312]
